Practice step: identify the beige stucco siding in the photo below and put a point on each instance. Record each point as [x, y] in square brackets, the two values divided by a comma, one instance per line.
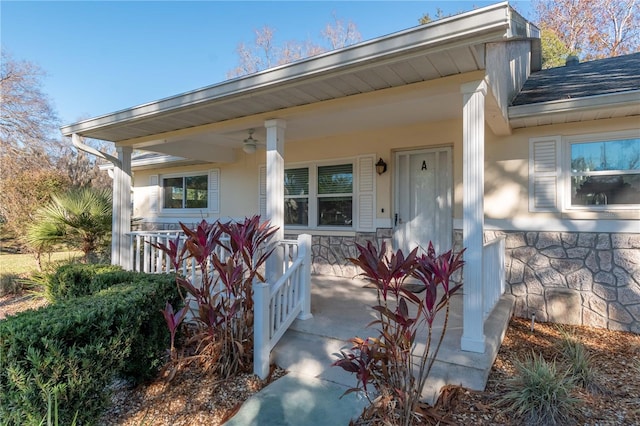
[506, 169]
[239, 182]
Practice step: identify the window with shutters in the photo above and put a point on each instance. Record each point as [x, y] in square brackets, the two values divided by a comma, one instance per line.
[604, 172]
[327, 201]
[196, 191]
[338, 195]
[585, 172]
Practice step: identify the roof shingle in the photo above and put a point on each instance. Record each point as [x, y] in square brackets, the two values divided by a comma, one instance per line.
[599, 77]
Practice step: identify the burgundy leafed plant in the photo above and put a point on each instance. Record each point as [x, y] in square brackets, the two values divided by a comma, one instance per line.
[392, 368]
[228, 258]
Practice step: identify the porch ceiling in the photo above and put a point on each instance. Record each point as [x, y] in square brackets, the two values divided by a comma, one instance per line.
[447, 47]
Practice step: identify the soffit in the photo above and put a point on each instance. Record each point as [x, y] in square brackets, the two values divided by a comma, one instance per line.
[449, 47]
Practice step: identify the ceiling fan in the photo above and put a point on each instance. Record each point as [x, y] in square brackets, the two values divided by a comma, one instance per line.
[250, 144]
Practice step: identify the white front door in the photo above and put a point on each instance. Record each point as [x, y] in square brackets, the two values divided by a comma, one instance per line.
[423, 193]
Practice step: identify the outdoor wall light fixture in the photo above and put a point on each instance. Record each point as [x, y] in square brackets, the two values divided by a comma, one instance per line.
[250, 145]
[381, 166]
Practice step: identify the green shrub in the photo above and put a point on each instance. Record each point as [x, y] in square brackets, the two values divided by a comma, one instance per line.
[540, 394]
[80, 345]
[76, 279]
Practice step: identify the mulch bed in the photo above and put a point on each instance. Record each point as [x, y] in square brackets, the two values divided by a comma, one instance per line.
[194, 398]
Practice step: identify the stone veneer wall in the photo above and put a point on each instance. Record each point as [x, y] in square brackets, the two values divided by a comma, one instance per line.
[330, 253]
[566, 277]
[584, 278]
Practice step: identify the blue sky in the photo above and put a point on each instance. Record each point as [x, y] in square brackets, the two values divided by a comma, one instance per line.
[103, 56]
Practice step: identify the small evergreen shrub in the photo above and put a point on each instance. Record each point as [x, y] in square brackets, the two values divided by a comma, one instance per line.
[540, 394]
[77, 279]
[79, 345]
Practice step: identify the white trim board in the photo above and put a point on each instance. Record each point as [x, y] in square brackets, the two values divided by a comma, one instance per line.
[558, 225]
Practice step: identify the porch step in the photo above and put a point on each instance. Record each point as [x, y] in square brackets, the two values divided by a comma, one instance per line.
[307, 352]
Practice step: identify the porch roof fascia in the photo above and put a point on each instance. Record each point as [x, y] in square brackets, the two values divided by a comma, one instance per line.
[497, 22]
[556, 111]
[156, 161]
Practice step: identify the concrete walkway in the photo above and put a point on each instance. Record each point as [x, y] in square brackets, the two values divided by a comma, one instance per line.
[299, 400]
[341, 308]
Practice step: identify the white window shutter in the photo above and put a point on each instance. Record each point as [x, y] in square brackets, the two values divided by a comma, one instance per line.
[214, 190]
[153, 193]
[544, 174]
[365, 194]
[262, 195]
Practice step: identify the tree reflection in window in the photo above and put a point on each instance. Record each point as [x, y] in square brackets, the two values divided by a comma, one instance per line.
[605, 173]
[186, 192]
[335, 195]
[296, 196]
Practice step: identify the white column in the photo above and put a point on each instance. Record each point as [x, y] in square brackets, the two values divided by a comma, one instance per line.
[121, 222]
[473, 93]
[275, 192]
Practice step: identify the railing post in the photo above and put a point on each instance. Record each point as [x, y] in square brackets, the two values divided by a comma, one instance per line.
[304, 250]
[261, 338]
[501, 267]
[138, 247]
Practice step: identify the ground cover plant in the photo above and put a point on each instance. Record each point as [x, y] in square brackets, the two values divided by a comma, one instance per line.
[542, 392]
[392, 367]
[220, 302]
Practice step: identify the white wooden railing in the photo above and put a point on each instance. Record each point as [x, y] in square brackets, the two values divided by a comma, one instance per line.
[493, 274]
[278, 304]
[152, 260]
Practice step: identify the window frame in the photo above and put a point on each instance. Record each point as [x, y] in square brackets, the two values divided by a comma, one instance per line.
[313, 194]
[183, 209]
[567, 172]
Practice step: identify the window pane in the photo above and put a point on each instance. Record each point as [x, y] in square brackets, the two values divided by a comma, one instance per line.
[605, 190]
[611, 155]
[296, 211]
[335, 211]
[172, 193]
[296, 182]
[196, 187]
[335, 179]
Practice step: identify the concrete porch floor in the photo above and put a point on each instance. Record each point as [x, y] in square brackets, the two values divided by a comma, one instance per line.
[341, 309]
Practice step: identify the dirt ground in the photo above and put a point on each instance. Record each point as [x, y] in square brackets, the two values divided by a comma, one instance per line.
[194, 398]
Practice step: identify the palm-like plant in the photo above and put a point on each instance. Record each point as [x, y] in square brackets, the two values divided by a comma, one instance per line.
[79, 218]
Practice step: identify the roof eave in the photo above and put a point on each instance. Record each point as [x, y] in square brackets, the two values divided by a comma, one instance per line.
[542, 109]
[482, 25]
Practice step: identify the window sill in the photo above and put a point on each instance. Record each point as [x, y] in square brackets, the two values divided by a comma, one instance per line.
[605, 214]
[335, 232]
[186, 213]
